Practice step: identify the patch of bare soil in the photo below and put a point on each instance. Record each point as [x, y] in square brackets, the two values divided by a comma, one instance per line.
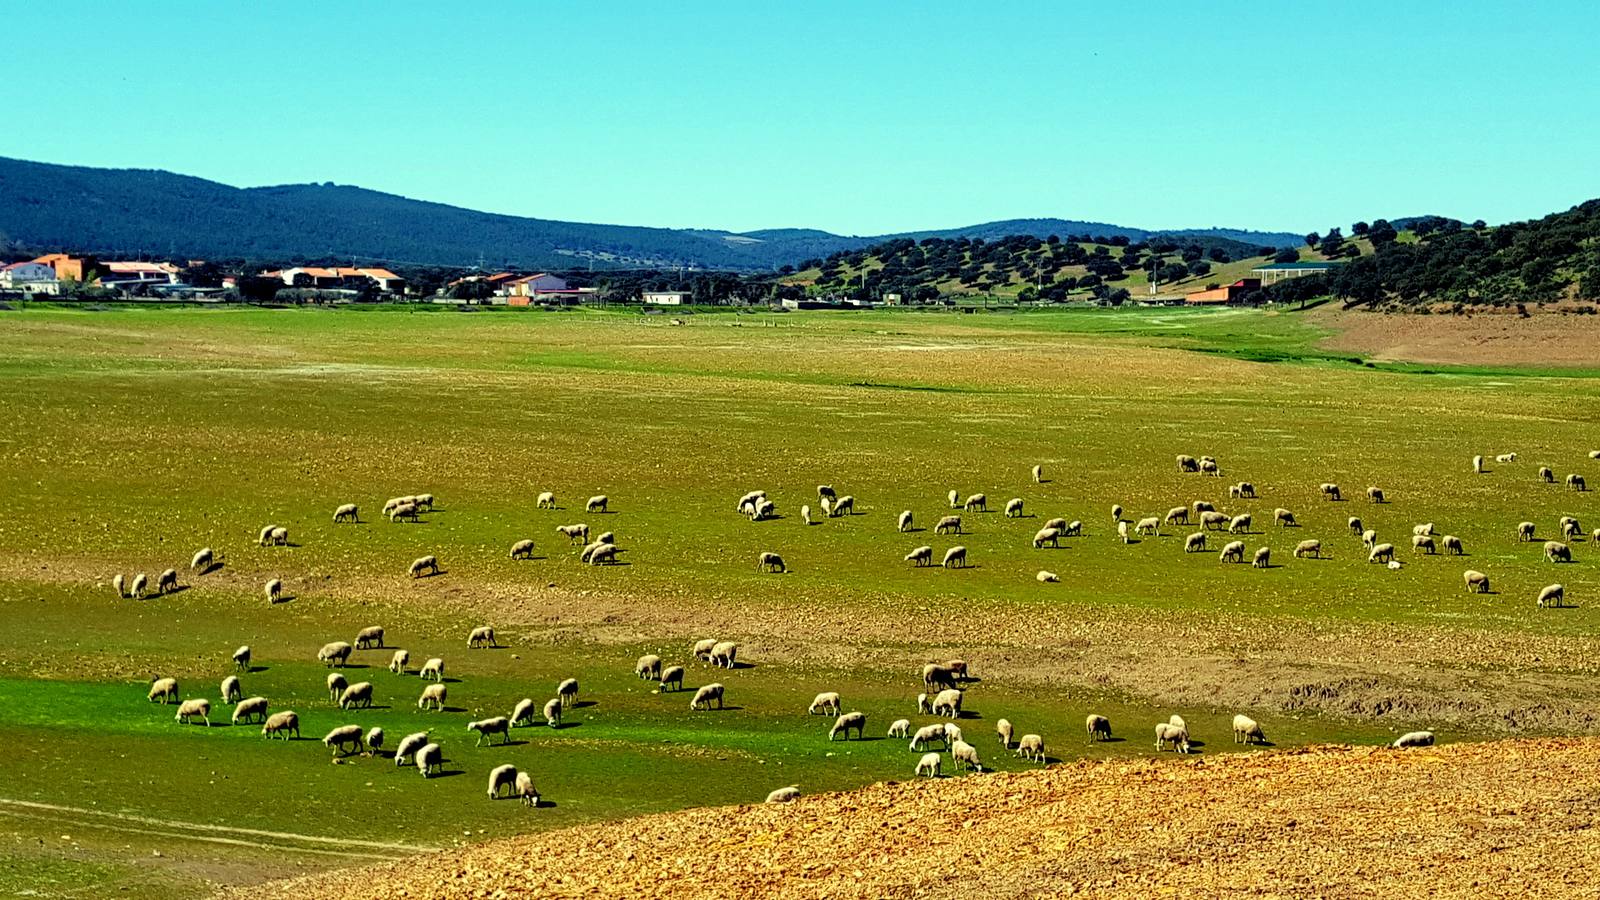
[1510, 818]
[1484, 338]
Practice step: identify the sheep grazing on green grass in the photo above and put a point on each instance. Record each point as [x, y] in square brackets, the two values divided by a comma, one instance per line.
[1555, 551]
[1233, 552]
[1014, 508]
[1452, 545]
[904, 523]
[964, 754]
[929, 764]
[648, 667]
[274, 590]
[567, 692]
[482, 636]
[955, 558]
[522, 713]
[250, 710]
[597, 504]
[1099, 727]
[1311, 547]
[1381, 553]
[429, 564]
[198, 708]
[167, 582]
[1263, 558]
[1283, 518]
[408, 747]
[358, 695]
[1195, 543]
[784, 794]
[724, 654]
[1043, 536]
[335, 654]
[1413, 739]
[856, 721]
[232, 689]
[488, 728]
[547, 500]
[1422, 543]
[522, 549]
[370, 638]
[284, 724]
[705, 696]
[433, 697]
[1525, 531]
[502, 778]
[1546, 476]
[825, 703]
[433, 669]
[1247, 730]
[347, 512]
[1552, 595]
[241, 658]
[673, 676]
[1176, 735]
[202, 560]
[1329, 490]
[164, 690]
[1047, 577]
[921, 556]
[140, 582]
[976, 503]
[1031, 747]
[1178, 515]
[1038, 474]
[1355, 526]
[948, 524]
[900, 728]
[770, 562]
[1187, 463]
[336, 685]
[1375, 494]
[345, 740]
[1477, 465]
[429, 759]
[1477, 582]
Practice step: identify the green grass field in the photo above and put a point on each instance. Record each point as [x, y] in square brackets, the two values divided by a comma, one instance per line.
[131, 438]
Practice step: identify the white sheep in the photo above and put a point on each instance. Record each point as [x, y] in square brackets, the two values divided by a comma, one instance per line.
[1247, 730]
[501, 777]
[433, 668]
[1413, 739]
[1014, 508]
[824, 492]
[948, 524]
[899, 728]
[1051, 536]
[1525, 531]
[374, 739]
[1263, 558]
[1178, 515]
[805, 513]
[1381, 553]
[408, 747]
[356, 695]
[202, 560]
[429, 758]
[724, 654]
[1149, 525]
[198, 707]
[1546, 476]
[1195, 543]
[547, 500]
[522, 713]
[482, 636]
[1239, 524]
[241, 658]
[1073, 529]
[335, 654]
[1311, 547]
[827, 703]
[1422, 543]
[1122, 530]
[1425, 529]
[1555, 551]
[274, 590]
[347, 512]
[398, 662]
[1375, 494]
[231, 690]
[425, 501]
[904, 524]
[1214, 521]
[1355, 526]
[522, 549]
[705, 695]
[1552, 596]
[702, 648]
[286, 723]
[433, 696]
[845, 505]
[567, 692]
[163, 689]
[603, 554]
[855, 720]
[253, 708]
[336, 685]
[1003, 729]
[929, 764]
[1233, 552]
[280, 537]
[140, 582]
[488, 728]
[1477, 582]
[1202, 506]
[955, 500]
[265, 538]
[1283, 518]
[1038, 474]
[526, 790]
[770, 562]
[1330, 490]
[407, 511]
[963, 753]
[938, 675]
[1506, 458]
[955, 558]
[648, 666]
[345, 736]
[370, 638]
[596, 504]
[926, 735]
[952, 732]
[979, 502]
[784, 794]
[1099, 727]
[429, 564]
[167, 582]
[1167, 733]
[947, 703]
[1477, 465]
[1369, 538]
[1047, 577]
[924, 705]
[672, 675]
[1031, 747]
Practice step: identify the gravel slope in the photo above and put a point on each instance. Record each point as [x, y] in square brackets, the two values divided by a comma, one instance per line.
[1490, 819]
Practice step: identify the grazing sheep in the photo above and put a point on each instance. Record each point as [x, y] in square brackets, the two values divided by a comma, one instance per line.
[1525, 531]
[408, 747]
[948, 524]
[1452, 545]
[1188, 463]
[1552, 595]
[604, 554]
[648, 666]
[952, 732]
[1330, 490]
[1122, 531]
[374, 740]
[1506, 458]
[1426, 528]
[522, 713]
[938, 675]
[1202, 506]
[1308, 548]
[567, 692]
[724, 654]
[702, 648]
[488, 728]
[1116, 513]
[163, 689]
[347, 512]
[1073, 529]
[1247, 730]
[274, 590]
[845, 505]
[1233, 552]
[921, 556]
[1235, 492]
[765, 509]
[198, 707]
[167, 581]
[827, 508]
[1031, 747]
[672, 675]
[1381, 553]
[482, 636]
[904, 524]
[1208, 466]
[1014, 508]
[265, 538]
[280, 537]
[1099, 727]
[784, 794]
[246, 710]
[597, 504]
[526, 790]
[1051, 536]
[424, 501]
[504, 776]
[547, 500]
[1375, 494]
[899, 728]
[1477, 465]
[335, 654]
[1262, 559]
[1595, 536]
[1247, 489]
[241, 658]
[1177, 736]
[1178, 721]
[770, 562]
[1239, 524]
[282, 723]
[336, 686]
[824, 492]
[1047, 577]
[1283, 518]
[231, 689]
[955, 500]
[979, 502]
[407, 511]
[1355, 525]
[139, 582]
[1571, 530]
[856, 720]
[929, 764]
[1555, 551]
[1213, 520]
[1178, 515]
[805, 514]
[955, 558]
[433, 696]
[370, 638]
[1477, 582]
[963, 753]
[1423, 543]
[429, 758]
[947, 703]
[421, 563]
[1038, 474]
[1195, 543]
[1547, 476]
[1369, 538]
[923, 706]
[345, 736]
[926, 735]
[433, 668]
[1413, 739]
[1148, 525]
[1004, 730]
[827, 703]
[202, 559]
[393, 503]
[522, 549]
[705, 695]
[358, 694]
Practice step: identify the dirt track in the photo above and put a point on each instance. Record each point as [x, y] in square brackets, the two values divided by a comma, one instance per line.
[1486, 338]
[1509, 818]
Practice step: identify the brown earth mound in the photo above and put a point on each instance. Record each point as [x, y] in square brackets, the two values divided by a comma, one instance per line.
[1506, 818]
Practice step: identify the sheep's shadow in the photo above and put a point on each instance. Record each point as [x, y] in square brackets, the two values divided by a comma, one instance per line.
[435, 573]
[449, 709]
[1110, 740]
[210, 567]
[968, 714]
[869, 738]
[585, 704]
[914, 529]
[448, 773]
[254, 669]
[173, 590]
[1193, 743]
[355, 666]
[960, 567]
[1268, 566]
[532, 558]
[284, 598]
[544, 804]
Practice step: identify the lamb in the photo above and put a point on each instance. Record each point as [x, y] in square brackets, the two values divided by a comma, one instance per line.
[1506, 458]
[358, 694]
[603, 554]
[1381, 553]
[1178, 515]
[827, 702]
[1375, 494]
[1330, 490]
[1004, 730]
[274, 590]
[202, 560]
[923, 706]
[547, 500]
[1235, 492]
[1214, 520]
[1014, 508]
[336, 686]
[433, 668]
[347, 512]
[978, 502]
[282, 723]
[1073, 529]
[567, 692]
[344, 736]
[1195, 543]
[334, 654]
[1239, 524]
[784, 794]
[856, 720]
[955, 558]
[429, 758]
[1188, 463]
[433, 696]
[1167, 733]
[1283, 518]
[1477, 465]
[1369, 538]
[705, 695]
[198, 707]
[523, 549]
[370, 638]
[1247, 730]
[1233, 552]
[526, 790]
[1148, 525]
[899, 728]
[596, 504]
[1263, 558]
[1477, 582]
[1525, 531]
[167, 581]
[488, 728]
[1413, 739]
[408, 747]
[1038, 474]
[724, 654]
[163, 689]
[482, 636]
[648, 666]
[1122, 531]
[926, 735]
[1047, 577]
[1099, 727]
[955, 500]
[672, 675]
[1547, 476]
[948, 524]
[241, 658]
[246, 710]
[702, 649]
[1555, 551]
[1355, 525]
[1308, 548]
[1552, 595]
[770, 562]
[1569, 529]
[963, 753]
[929, 764]
[846, 505]
[805, 514]
[421, 563]
[1423, 543]
[947, 703]
[503, 776]
[1031, 747]
[231, 689]
[1051, 536]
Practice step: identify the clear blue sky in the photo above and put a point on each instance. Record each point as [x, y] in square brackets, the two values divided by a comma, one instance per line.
[854, 117]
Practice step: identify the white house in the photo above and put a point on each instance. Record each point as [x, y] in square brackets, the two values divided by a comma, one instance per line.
[665, 298]
[30, 278]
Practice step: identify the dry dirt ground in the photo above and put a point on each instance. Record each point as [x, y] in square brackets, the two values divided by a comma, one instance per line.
[1500, 338]
[1509, 818]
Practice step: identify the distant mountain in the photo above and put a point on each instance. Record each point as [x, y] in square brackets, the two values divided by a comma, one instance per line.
[144, 211]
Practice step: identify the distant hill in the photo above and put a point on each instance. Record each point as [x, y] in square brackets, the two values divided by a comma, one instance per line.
[143, 211]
